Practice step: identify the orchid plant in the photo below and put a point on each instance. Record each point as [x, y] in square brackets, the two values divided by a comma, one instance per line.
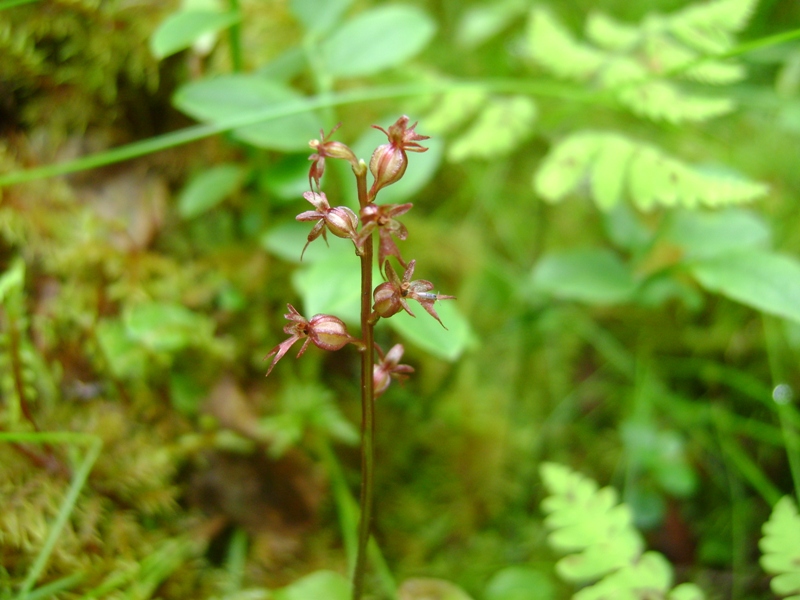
[387, 165]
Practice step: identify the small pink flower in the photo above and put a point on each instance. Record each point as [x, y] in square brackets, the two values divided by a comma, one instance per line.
[388, 369]
[382, 218]
[340, 220]
[390, 296]
[325, 148]
[389, 161]
[324, 331]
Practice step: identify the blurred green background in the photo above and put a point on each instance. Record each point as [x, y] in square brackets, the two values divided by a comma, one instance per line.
[613, 200]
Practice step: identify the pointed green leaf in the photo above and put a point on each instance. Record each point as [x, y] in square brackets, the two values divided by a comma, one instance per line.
[763, 280]
[592, 275]
[237, 94]
[377, 39]
[519, 583]
[425, 332]
[182, 29]
[566, 165]
[498, 130]
[609, 171]
[320, 585]
[708, 234]
[209, 188]
[317, 16]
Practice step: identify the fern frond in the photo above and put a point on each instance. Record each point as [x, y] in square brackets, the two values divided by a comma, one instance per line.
[591, 522]
[610, 165]
[636, 64]
[588, 521]
[781, 548]
[499, 129]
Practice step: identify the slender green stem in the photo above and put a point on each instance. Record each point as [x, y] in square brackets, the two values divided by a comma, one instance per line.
[782, 396]
[367, 400]
[235, 39]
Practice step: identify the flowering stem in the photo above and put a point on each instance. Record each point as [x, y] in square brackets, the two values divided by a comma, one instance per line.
[367, 399]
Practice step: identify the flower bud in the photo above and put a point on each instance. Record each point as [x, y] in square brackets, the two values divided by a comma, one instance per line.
[387, 300]
[387, 165]
[329, 332]
[342, 222]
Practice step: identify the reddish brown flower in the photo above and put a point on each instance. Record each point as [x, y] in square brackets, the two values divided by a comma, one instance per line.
[390, 296]
[389, 161]
[382, 218]
[340, 220]
[324, 331]
[325, 148]
[388, 369]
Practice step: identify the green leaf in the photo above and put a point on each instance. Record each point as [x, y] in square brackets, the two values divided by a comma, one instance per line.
[652, 178]
[763, 280]
[317, 16]
[209, 188]
[237, 94]
[648, 577]
[592, 275]
[481, 22]
[686, 591]
[552, 45]
[452, 109]
[519, 583]
[332, 284]
[424, 331]
[780, 547]
[162, 326]
[566, 165]
[126, 358]
[499, 129]
[709, 234]
[180, 30]
[609, 172]
[428, 588]
[376, 40]
[286, 241]
[320, 585]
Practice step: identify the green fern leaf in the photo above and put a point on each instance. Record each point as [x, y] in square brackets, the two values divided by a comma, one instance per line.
[453, 108]
[591, 523]
[634, 63]
[648, 577]
[553, 47]
[658, 100]
[500, 128]
[565, 167]
[609, 171]
[781, 548]
[610, 34]
[611, 164]
[587, 521]
[722, 15]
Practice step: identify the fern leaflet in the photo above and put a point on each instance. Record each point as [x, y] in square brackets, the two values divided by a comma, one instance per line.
[635, 64]
[781, 549]
[608, 165]
[598, 530]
